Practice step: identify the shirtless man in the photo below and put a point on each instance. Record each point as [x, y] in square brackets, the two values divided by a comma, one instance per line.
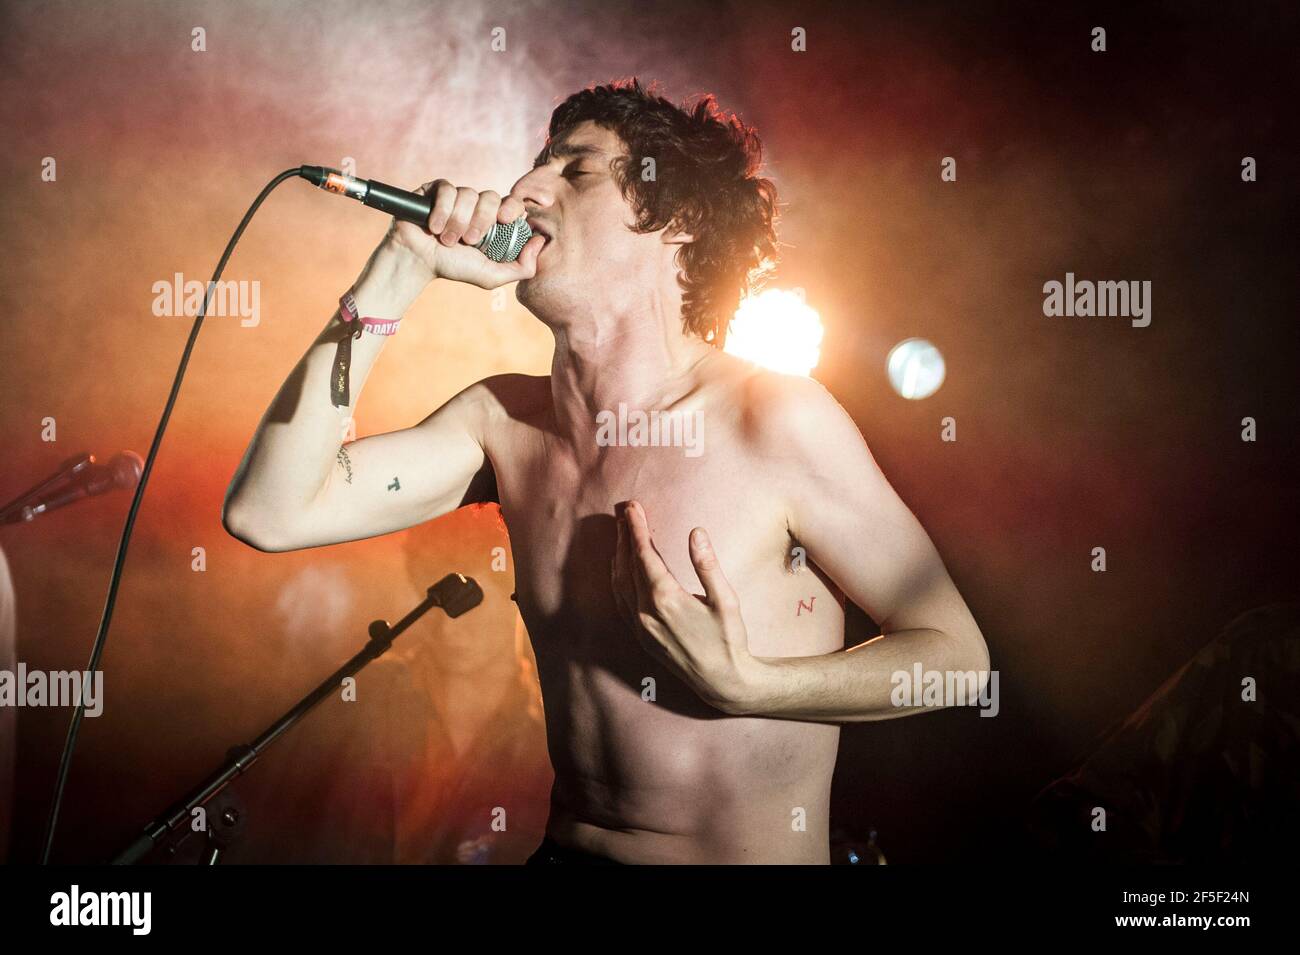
[686, 610]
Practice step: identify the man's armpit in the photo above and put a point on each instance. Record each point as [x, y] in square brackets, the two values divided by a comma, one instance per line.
[482, 487]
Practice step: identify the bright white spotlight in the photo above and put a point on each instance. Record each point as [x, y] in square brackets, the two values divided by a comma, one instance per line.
[778, 330]
[915, 368]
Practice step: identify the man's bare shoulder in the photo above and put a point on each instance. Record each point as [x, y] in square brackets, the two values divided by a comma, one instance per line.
[499, 398]
[783, 413]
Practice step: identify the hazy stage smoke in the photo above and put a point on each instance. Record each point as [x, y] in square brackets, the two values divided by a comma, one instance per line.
[314, 605]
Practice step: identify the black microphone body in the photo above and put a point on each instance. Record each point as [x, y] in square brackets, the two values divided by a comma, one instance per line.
[501, 244]
[398, 203]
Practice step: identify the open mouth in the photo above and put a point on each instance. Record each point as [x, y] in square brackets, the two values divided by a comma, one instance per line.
[541, 229]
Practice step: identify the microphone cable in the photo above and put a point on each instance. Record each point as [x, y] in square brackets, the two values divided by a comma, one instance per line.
[101, 638]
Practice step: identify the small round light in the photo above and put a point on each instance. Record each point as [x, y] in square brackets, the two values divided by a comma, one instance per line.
[916, 368]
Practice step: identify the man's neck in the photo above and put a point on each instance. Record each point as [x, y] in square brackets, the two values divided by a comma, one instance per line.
[646, 365]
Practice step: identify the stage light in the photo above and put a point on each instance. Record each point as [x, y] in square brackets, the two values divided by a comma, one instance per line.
[916, 368]
[778, 330]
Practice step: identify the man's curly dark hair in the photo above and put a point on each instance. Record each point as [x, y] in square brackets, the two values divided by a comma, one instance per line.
[706, 184]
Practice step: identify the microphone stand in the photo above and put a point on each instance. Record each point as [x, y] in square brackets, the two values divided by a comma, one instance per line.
[240, 758]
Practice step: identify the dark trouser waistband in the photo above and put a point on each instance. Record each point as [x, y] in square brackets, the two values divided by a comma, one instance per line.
[551, 852]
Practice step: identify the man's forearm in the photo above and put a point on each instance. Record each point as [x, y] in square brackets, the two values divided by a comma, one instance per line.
[295, 446]
[872, 681]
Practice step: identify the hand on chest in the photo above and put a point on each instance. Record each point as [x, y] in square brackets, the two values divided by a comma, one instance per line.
[563, 532]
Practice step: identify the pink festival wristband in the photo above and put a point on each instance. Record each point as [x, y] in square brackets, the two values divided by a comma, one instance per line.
[343, 351]
[376, 326]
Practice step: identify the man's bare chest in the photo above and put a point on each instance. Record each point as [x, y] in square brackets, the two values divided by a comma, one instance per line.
[563, 532]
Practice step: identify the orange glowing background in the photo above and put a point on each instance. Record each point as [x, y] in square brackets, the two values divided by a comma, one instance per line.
[1071, 434]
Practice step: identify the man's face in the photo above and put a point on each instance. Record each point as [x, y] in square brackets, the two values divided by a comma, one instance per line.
[592, 260]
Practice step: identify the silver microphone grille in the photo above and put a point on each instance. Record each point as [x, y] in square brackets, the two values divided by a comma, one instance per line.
[503, 243]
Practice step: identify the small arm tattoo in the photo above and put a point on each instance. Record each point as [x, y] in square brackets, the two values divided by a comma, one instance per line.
[346, 463]
[395, 486]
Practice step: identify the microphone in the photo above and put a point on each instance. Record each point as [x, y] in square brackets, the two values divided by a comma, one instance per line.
[503, 243]
[89, 480]
[456, 594]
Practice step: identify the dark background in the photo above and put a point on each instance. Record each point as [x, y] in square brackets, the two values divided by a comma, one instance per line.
[1073, 433]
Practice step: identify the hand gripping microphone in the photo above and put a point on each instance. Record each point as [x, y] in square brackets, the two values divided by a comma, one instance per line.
[502, 243]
